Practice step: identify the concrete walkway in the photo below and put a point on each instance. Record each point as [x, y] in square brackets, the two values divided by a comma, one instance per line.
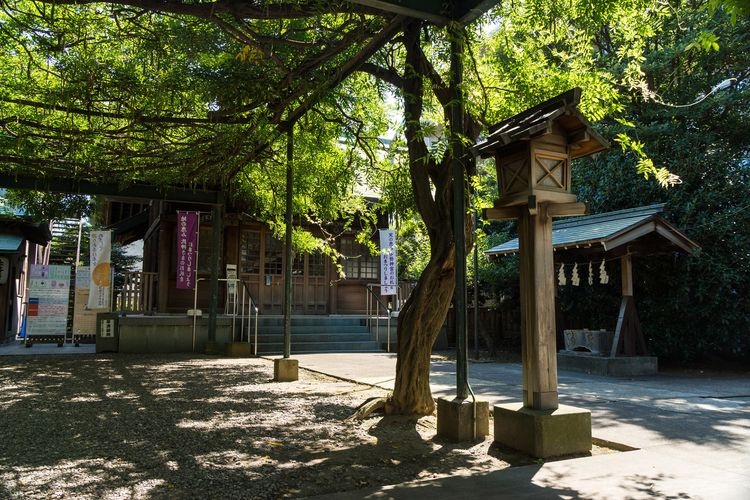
[17, 348]
[691, 434]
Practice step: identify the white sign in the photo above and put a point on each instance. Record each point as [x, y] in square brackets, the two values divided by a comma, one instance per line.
[101, 246]
[83, 277]
[231, 279]
[388, 264]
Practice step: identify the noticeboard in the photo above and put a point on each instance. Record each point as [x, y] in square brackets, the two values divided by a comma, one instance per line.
[49, 294]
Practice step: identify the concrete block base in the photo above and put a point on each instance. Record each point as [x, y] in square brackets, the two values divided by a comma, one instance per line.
[543, 433]
[285, 370]
[455, 419]
[620, 366]
[239, 350]
[214, 348]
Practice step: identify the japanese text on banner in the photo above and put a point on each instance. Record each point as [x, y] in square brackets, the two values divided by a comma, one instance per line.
[99, 289]
[187, 246]
[388, 264]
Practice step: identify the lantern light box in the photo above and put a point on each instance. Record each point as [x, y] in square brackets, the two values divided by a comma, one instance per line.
[533, 151]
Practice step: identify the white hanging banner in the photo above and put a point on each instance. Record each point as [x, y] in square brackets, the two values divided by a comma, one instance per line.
[561, 279]
[100, 244]
[388, 265]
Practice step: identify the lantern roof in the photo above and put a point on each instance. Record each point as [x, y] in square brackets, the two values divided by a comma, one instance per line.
[540, 120]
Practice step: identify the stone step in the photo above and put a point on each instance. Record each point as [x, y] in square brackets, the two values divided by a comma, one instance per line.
[315, 337]
[315, 334]
[313, 329]
[298, 347]
[311, 321]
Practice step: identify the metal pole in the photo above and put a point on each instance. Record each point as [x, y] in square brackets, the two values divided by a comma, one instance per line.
[242, 316]
[77, 264]
[459, 201]
[389, 332]
[288, 243]
[476, 286]
[195, 307]
[255, 345]
[195, 274]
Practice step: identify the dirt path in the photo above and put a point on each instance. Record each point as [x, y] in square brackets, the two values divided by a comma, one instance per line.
[197, 427]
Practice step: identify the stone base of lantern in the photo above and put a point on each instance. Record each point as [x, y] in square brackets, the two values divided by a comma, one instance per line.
[239, 350]
[285, 370]
[456, 419]
[543, 433]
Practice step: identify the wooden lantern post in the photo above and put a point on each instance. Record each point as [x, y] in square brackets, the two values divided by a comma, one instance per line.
[533, 151]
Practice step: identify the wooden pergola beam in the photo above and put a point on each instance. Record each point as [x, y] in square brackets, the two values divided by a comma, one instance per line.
[141, 191]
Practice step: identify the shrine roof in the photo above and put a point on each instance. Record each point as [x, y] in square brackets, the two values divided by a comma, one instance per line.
[10, 243]
[640, 227]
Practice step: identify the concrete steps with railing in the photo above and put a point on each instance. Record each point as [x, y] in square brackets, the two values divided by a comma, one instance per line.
[316, 334]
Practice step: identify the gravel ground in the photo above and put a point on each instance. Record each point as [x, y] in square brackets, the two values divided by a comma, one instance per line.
[203, 427]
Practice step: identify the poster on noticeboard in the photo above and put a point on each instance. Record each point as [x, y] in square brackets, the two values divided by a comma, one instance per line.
[49, 294]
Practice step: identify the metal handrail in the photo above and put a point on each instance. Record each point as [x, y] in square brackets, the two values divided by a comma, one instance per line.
[252, 308]
[376, 311]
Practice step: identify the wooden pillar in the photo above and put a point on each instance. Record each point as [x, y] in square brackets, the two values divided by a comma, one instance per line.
[217, 249]
[538, 342]
[626, 270]
[628, 338]
[164, 264]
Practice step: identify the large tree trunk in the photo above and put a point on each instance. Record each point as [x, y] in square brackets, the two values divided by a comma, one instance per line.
[423, 314]
[419, 323]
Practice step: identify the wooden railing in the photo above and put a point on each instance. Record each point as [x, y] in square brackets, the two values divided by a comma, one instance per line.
[138, 294]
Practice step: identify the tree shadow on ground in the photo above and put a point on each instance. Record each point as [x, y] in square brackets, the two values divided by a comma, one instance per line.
[712, 411]
[182, 426]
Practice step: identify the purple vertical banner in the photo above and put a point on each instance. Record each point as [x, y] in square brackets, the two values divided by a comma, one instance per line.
[187, 246]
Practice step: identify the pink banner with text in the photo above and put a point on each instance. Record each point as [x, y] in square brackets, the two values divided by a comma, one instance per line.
[187, 248]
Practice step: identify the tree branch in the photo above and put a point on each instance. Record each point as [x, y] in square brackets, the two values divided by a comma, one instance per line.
[136, 116]
[387, 75]
[346, 69]
[419, 158]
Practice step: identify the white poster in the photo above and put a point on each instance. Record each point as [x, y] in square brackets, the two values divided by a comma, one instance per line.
[388, 265]
[100, 245]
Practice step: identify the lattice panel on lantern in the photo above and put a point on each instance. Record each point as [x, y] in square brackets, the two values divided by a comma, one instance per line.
[514, 176]
[551, 172]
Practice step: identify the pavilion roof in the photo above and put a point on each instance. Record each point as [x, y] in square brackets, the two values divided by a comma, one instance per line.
[635, 230]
